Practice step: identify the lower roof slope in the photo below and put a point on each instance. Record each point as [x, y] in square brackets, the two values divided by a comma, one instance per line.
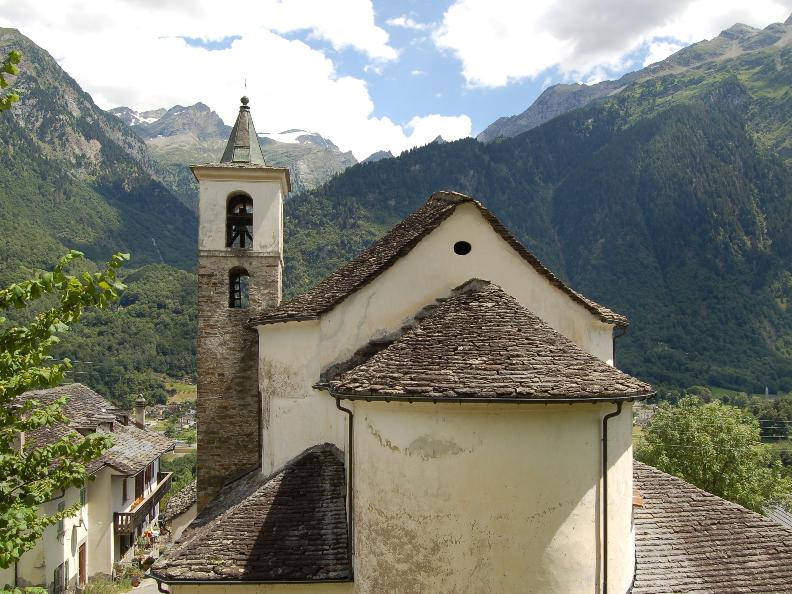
[180, 502]
[482, 344]
[133, 448]
[290, 527]
[398, 242]
[691, 541]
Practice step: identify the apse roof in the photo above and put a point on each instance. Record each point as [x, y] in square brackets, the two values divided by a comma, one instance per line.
[481, 344]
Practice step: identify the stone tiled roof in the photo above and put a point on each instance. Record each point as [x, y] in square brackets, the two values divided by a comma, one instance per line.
[482, 344]
[395, 244]
[133, 448]
[243, 145]
[180, 502]
[688, 540]
[290, 527]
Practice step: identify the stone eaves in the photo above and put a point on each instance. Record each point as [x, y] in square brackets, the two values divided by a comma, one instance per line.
[481, 344]
[288, 527]
[691, 541]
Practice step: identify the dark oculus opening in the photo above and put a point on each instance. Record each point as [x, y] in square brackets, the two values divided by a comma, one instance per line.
[462, 248]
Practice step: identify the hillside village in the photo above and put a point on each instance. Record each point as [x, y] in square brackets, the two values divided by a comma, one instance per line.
[393, 375]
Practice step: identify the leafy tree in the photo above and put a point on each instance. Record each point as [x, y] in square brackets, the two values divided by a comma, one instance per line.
[29, 476]
[717, 448]
[9, 67]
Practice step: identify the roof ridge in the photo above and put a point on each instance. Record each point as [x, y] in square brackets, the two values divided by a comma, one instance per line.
[399, 241]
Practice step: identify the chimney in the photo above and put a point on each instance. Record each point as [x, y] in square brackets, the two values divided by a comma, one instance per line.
[19, 442]
[140, 412]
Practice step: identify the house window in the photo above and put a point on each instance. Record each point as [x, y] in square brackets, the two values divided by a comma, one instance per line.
[239, 222]
[238, 288]
[61, 525]
[59, 579]
[83, 496]
[139, 485]
[124, 494]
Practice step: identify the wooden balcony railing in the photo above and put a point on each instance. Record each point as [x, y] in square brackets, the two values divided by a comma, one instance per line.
[127, 522]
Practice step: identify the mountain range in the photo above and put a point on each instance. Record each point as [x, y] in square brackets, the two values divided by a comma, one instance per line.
[732, 43]
[666, 195]
[183, 136]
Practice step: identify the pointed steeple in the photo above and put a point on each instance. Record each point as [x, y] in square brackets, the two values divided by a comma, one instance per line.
[243, 145]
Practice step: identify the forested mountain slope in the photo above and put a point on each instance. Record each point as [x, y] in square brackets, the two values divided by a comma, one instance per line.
[74, 176]
[670, 202]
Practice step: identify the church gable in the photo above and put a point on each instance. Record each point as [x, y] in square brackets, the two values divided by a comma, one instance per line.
[399, 242]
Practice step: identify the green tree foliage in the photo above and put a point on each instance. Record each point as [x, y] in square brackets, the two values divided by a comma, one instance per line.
[32, 475]
[184, 472]
[149, 335]
[718, 448]
[9, 67]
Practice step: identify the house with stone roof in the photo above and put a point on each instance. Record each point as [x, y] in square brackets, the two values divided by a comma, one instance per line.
[116, 506]
[441, 414]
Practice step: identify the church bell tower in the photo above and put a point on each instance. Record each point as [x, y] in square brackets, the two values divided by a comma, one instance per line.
[240, 264]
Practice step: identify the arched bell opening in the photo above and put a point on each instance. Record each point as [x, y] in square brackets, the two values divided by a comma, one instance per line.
[238, 288]
[239, 221]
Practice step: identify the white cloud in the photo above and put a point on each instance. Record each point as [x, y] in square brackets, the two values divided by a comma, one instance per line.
[660, 50]
[499, 41]
[123, 54]
[417, 72]
[406, 22]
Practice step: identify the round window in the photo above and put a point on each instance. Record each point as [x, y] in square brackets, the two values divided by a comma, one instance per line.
[462, 248]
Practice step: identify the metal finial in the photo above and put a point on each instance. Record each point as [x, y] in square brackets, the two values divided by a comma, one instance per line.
[245, 100]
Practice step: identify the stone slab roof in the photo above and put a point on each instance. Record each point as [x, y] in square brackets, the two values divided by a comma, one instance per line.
[243, 144]
[688, 540]
[289, 527]
[482, 344]
[180, 502]
[133, 448]
[397, 243]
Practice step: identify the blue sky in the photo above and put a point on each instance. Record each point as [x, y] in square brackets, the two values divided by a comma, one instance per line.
[368, 74]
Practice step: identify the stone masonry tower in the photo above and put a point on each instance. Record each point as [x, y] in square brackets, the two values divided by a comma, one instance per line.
[240, 263]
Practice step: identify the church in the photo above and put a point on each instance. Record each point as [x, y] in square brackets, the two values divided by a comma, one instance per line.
[441, 414]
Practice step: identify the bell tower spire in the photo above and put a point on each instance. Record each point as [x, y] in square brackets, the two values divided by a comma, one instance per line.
[240, 266]
[240, 148]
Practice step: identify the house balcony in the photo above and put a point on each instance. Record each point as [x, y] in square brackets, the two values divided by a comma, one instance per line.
[127, 522]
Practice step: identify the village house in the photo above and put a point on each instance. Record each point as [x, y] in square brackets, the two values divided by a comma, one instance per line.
[441, 414]
[116, 507]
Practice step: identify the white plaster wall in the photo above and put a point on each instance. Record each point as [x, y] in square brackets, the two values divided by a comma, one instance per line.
[180, 522]
[61, 546]
[432, 270]
[327, 588]
[103, 496]
[267, 213]
[7, 576]
[29, 571]
[487, 498]
[295, 416]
